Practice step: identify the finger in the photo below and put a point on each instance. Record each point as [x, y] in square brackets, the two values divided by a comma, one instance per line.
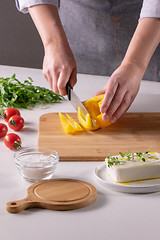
[73, 77]
[116, 102]
[105, 117]
[50, 80]
[45, 74]
[109, 94]
[54, 80]
[123, 107]
[62, 81]
[44, 70]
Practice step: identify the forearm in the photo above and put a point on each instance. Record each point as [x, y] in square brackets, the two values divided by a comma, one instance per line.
[59, 65]
[143, 44]
[48, 24]
[123, 85]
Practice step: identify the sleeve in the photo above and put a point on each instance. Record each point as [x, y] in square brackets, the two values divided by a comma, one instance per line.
[150, 8]
[23, 5]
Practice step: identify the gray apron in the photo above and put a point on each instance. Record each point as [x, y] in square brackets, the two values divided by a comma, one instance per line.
[99, 32]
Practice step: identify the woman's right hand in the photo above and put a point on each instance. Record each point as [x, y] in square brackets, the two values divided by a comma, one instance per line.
[59, 67]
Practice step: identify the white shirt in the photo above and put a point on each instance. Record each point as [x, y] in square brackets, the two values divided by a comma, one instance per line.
[23, 5]
[150, 8]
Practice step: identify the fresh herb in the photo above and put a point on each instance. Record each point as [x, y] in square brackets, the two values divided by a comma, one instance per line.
[113, 162]
[148, 150]
[13, 93]
[122, 154]
[139, 156]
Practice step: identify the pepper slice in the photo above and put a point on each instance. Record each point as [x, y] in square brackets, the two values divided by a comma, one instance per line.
[77, 127]
[86, 121]
[70, 125]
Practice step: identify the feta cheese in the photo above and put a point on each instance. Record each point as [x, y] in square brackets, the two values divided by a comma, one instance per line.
[132, 167]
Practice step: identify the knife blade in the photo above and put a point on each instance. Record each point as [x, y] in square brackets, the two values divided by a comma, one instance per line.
[75, 101]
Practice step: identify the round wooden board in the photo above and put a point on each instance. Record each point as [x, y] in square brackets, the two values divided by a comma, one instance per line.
[56, 194]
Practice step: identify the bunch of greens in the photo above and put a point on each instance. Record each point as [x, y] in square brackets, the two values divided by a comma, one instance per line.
[13, 93]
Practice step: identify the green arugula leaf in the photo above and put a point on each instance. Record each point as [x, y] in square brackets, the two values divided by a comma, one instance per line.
[13, 93]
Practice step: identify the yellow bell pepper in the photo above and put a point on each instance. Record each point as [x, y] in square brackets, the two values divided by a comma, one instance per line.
[93, 107]
[70, 125]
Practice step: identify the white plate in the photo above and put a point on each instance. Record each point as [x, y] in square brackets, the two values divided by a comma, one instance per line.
[143, 186]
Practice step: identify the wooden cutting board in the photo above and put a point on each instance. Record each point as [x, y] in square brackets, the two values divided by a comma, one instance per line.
[56, 194]
[135, 131]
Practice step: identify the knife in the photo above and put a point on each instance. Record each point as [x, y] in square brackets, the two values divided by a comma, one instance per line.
[75, 101]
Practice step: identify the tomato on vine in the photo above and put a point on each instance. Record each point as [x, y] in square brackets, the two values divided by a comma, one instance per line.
[9, 112]
[16, 122]
[3, 130]
[12, 141]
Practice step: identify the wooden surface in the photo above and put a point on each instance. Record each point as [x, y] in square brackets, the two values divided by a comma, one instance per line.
[135, 131]
[56, 194]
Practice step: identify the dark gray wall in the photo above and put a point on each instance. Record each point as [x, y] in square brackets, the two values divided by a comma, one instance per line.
[20, 44]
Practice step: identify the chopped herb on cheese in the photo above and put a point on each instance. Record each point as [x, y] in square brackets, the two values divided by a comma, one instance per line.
[124, 157]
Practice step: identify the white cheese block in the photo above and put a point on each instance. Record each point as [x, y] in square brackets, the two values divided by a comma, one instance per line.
[131, 167]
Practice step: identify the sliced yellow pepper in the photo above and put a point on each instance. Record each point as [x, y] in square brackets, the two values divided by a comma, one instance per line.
[77, 127]
[86, 121]
[70, 125]
[93, 107]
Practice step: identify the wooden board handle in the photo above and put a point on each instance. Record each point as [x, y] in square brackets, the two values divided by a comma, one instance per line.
[18, 206]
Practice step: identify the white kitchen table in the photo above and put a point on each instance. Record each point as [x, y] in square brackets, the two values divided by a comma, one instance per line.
[113, 216]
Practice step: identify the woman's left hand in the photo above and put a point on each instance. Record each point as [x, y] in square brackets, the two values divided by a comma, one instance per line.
[120, 91]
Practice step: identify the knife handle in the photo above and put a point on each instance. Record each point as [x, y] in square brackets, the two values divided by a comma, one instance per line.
[68, 88]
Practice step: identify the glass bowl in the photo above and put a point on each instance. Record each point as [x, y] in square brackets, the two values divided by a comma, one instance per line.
[36, 164]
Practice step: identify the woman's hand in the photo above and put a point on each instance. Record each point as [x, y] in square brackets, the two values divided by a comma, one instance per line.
[123, 85]
[59, 67]
[120, 91]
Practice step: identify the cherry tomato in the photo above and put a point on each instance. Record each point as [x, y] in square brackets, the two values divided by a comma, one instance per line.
[12, 141]
[9, 112]
[3, 130]
[16, 122]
